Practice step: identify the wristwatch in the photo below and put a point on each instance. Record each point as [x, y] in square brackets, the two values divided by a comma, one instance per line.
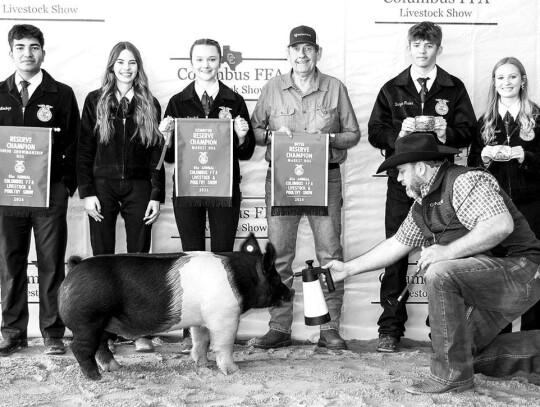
[268, 133]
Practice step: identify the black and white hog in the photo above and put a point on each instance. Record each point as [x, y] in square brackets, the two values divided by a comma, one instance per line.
[134, 295]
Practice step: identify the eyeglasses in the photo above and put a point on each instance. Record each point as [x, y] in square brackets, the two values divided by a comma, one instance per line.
[306, 49]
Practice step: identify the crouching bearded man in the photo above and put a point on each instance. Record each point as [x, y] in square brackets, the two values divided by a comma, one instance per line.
[481, 264]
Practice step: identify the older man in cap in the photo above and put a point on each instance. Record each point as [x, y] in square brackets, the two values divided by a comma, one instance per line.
[481, 263]
[304, 100]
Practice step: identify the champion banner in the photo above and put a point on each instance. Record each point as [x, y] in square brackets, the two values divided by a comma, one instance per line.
[299, 174]
[203, 174]
[25, 166]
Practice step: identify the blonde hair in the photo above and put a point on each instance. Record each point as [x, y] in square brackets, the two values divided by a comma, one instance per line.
[145, 110]
[527, 112]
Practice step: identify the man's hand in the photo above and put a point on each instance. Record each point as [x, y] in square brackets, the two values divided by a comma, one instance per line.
[433, 254]
[440, 128]
[337, 269]
[284, 129]
[407, 127]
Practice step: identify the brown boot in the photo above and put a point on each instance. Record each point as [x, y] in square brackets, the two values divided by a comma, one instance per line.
[272, 339]
[330, 339]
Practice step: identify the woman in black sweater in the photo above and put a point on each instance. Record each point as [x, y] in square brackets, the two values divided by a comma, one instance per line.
[117, 154]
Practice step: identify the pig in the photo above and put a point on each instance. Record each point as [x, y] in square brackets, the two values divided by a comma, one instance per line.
[134, 295]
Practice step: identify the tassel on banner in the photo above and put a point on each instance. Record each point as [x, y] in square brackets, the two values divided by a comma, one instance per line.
[299, 210]
[23, 211]
[207, 201]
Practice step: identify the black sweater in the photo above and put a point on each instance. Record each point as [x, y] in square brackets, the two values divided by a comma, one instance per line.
[123, 157]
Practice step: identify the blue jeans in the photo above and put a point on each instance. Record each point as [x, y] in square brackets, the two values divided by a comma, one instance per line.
[470, 300]
[282, 231]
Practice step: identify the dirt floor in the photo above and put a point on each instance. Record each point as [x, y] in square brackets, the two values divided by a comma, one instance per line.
[302, 375]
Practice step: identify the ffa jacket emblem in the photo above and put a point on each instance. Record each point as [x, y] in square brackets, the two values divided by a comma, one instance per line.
[526, 135]
[203, 157]
[441, 107]
[19, 166]
[299, 170]
[225, 113]
[44, 113]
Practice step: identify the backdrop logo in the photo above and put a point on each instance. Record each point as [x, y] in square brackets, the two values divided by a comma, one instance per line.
[232, 58]
[247, 76]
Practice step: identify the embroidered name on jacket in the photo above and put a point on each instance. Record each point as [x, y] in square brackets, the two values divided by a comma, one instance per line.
[404, 103]
[6, 108]
[432, 204]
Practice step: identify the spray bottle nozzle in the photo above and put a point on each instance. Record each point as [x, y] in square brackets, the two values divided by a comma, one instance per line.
[312, 273]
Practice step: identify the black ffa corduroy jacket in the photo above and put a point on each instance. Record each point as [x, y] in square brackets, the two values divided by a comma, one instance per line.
[520, 181]
[399, 99]
[187, 104]
[62, 115]
[123, 157]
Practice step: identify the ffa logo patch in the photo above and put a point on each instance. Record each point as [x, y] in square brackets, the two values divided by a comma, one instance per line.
[19, 166]
[441, 107]
[203, 157]
[44, 113]
[225, 113]
[526, 135]
[299, 170]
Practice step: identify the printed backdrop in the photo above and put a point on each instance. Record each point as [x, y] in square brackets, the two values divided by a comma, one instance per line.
[364, 45]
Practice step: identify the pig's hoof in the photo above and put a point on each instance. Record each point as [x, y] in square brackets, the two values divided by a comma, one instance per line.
[228, 368]
[201, 362]
[93, 375]
[109, 366]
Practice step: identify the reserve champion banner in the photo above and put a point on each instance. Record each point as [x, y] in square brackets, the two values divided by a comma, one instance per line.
[204, 152]
[25, 166]
[299, 174]
[364, 45]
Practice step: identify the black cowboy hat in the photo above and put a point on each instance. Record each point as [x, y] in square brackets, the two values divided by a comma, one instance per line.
[416, 147]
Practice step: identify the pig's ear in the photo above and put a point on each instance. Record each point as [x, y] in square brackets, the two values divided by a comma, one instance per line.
[250, 245]
[269, 257]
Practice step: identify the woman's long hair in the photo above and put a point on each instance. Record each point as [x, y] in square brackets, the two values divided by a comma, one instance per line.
[145, 111]
[527, 112]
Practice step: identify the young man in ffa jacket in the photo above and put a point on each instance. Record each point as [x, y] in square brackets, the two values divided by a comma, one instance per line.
[423, 89]
[31, 97]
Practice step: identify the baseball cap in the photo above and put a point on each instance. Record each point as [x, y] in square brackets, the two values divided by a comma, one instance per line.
[303, 33]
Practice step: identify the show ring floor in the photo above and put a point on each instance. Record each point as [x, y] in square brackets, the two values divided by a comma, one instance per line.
[301, 375]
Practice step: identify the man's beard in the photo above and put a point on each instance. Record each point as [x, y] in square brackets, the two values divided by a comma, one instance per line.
[413, 191]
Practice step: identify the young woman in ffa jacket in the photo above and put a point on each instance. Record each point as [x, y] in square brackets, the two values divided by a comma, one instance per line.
[207, 97]
[508, 140]
[118, 151]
